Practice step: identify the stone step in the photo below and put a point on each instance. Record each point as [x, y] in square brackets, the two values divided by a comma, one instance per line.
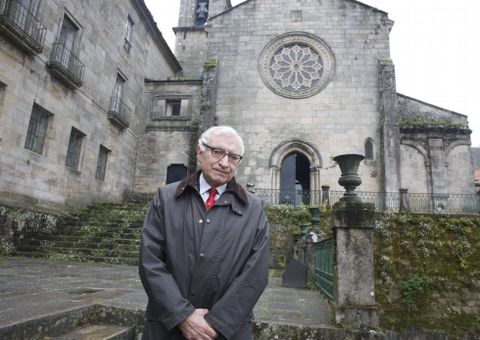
[80, 251]
[131, 261]
[98, 332]
[106, 244]
[70, 238]
[102, 233]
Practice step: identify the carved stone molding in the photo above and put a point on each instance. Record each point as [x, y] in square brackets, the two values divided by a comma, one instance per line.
[296, 65]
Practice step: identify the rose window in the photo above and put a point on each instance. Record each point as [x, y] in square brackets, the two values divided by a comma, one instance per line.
[296, 65]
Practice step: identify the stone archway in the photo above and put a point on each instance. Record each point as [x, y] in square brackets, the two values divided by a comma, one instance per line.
[285, 154]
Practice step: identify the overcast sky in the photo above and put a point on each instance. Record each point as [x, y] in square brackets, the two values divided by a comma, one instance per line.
[435, 46]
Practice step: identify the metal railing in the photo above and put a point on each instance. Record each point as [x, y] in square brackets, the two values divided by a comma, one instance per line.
[324, 267]
[288, 197]
[383, 201]
[442, 203]
[22, 24]
[67, 63]
[119, 113]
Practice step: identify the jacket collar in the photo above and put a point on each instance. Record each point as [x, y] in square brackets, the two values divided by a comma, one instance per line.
[192, 182]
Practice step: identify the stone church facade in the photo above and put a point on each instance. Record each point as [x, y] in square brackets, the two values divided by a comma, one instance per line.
[302, 81]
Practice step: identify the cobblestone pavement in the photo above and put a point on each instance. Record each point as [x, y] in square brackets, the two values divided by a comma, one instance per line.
[31, 288]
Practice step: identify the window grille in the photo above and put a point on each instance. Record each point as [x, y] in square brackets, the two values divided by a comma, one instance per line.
[37, 130]
[102, 163]
[74, 148]
[116, 104]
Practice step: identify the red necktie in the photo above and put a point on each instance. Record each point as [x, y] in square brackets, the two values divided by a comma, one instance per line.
[211, 198]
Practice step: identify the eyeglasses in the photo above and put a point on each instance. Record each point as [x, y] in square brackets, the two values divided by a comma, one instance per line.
[218, 153]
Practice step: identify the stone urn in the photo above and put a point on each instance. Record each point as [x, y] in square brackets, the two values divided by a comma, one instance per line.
[315, 218]
[303, 231]
[349, 164]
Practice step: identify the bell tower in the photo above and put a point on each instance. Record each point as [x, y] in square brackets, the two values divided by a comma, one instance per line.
[191, 34]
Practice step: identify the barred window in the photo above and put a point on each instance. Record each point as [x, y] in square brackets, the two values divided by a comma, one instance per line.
[74, 148]
[117, 98]
[37, 129]
[128, 34]
[102, 163]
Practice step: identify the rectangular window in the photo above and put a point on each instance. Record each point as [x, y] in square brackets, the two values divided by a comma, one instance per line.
[102, 163]
[116, 105]
[37, 129]
[128, 34]
[19, 12]
[74, 148]
[173, 107]
[68, 33]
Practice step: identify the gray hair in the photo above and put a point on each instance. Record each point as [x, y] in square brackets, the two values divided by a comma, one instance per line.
[220, 130]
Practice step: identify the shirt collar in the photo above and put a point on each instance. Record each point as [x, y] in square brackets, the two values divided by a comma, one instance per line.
[204, 186]
[193, 179]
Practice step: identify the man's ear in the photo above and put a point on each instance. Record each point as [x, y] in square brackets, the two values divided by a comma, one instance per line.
[198, 149]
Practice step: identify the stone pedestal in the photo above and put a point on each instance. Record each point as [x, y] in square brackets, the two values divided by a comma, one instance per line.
[353, 265]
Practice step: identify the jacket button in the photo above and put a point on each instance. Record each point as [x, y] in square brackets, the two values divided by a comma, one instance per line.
[200, 221]
[208, 220]
[202, 255]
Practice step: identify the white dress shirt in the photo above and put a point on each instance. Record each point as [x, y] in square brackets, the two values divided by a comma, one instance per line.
[204, 187]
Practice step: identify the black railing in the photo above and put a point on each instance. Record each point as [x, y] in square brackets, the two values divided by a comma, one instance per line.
[66, 65]
[324, 267]
[20, 24]
[389, 201]
[119, 113]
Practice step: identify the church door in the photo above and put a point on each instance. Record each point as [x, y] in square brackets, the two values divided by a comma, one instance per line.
[295, 179]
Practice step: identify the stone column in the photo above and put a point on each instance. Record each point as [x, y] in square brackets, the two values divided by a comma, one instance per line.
[354, 304]
[389, 133]
[404, 200]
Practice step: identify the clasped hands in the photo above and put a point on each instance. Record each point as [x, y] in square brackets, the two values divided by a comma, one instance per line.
[195, 327]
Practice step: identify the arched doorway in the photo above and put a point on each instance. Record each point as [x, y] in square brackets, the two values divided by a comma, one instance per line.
[295, 179]
[304, 167]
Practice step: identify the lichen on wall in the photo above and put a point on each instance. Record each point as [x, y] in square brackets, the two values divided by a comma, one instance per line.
[15, 222]
[427, 274]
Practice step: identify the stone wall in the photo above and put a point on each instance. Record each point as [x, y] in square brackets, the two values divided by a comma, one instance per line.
[335, 121]
[43, 179]
[411, 108]
[435, 153]
[168, 139]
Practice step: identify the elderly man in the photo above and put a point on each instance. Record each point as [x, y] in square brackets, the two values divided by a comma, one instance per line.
[204, 251]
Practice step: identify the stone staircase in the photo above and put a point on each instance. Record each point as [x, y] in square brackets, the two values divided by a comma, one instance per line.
[98, 332]
[100, 233]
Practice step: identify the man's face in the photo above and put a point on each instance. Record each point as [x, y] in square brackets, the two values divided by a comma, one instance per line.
[218, 171]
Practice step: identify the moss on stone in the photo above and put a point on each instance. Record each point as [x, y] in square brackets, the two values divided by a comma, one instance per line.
[429, 122]
[426, 272]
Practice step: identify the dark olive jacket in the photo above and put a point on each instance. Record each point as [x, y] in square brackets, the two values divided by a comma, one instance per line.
[193, 258]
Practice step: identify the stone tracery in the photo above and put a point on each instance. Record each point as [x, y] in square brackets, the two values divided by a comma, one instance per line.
[296, 65]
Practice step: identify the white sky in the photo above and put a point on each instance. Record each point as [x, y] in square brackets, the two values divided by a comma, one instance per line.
[435, 46]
